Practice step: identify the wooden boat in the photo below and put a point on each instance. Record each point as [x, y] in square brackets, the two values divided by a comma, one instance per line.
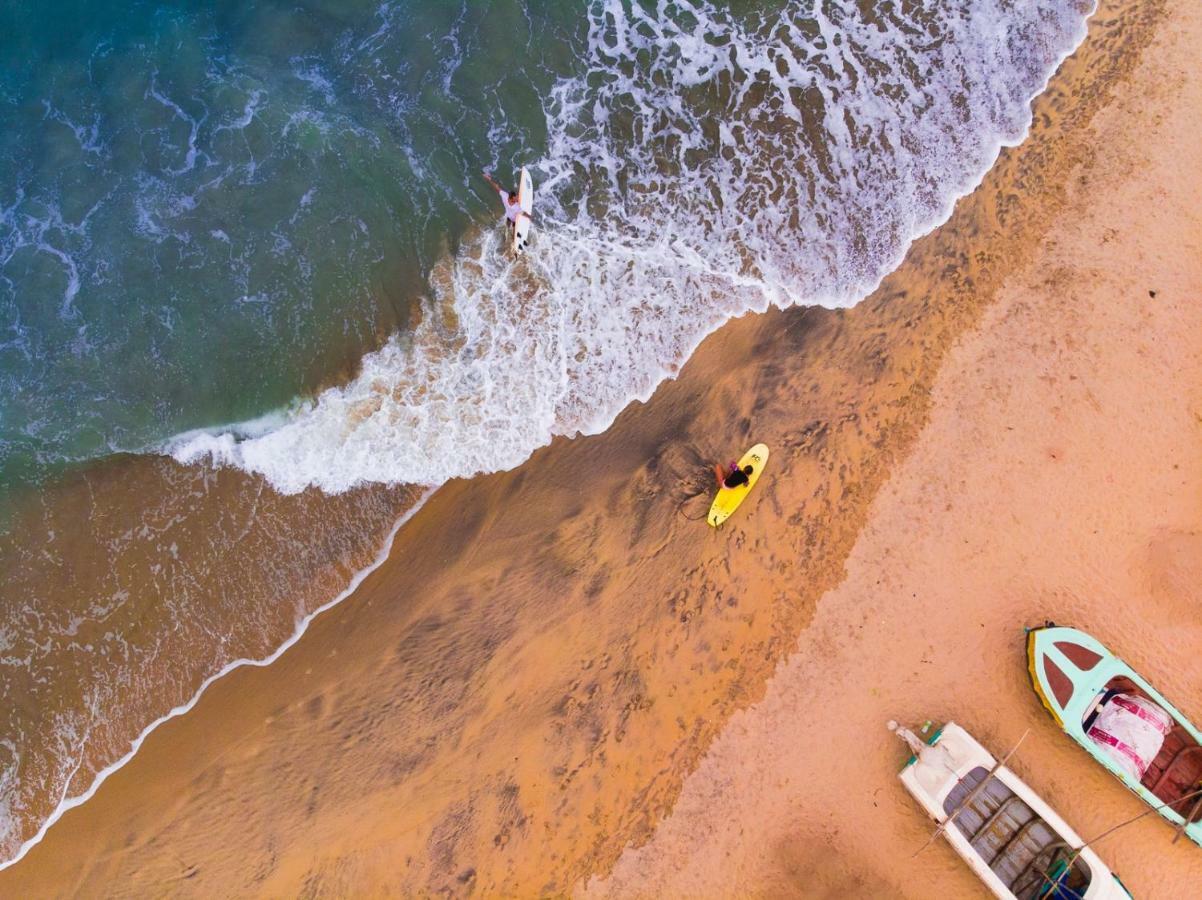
[1079, 681]
[1007, 834]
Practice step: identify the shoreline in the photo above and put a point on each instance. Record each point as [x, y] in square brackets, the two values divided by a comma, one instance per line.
[68, 803]
[755, 331]
[182, 447]
[123, 546]
[258, 425]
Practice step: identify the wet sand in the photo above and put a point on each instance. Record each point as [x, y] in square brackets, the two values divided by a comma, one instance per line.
[522, 689]
[129, 583]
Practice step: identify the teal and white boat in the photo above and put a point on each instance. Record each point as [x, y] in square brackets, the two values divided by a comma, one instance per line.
[1121, 721]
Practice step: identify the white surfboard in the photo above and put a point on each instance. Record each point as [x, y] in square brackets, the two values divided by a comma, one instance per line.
[523, 226]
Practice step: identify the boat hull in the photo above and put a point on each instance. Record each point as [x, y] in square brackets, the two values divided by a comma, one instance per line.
[943, 778]
[1070, 671]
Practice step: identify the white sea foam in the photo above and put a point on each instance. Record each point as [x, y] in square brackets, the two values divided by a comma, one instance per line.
[74, 738]
[193, 125]
[701, 168]
[44, 232]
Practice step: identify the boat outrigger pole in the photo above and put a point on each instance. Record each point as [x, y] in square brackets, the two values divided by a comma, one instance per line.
[972, 795]
[1189, 817]
[1197, 793]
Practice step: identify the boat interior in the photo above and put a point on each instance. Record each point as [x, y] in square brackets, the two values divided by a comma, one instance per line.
[1175, 775]
[1022, 849]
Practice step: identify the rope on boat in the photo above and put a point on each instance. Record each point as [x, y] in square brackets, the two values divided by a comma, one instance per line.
[1059, 889]
[972, 795]
[1072, 857]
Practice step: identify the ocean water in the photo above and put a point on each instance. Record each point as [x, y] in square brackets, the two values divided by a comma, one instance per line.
[253, 236]
[207, 210]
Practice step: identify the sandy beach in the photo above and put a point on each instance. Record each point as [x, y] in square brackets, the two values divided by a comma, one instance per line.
[563, 680]
[1058, 478]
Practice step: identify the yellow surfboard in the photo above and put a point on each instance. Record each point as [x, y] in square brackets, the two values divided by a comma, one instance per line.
[728, 499]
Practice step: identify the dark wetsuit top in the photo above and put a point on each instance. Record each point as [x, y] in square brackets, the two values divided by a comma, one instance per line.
[735, 478]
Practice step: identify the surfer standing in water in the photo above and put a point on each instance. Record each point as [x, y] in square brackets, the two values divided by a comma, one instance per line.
[734, 476]
[509, 200]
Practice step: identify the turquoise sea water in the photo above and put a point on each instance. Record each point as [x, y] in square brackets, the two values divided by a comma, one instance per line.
[208, 209]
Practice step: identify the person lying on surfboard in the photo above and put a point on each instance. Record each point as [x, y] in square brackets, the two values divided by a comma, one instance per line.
[733, 477]
[509, 200]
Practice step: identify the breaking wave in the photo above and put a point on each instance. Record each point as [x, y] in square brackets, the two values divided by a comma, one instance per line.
[701, 167]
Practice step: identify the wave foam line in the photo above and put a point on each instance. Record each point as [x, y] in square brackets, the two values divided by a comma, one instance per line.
[657, 228]
[68, 803]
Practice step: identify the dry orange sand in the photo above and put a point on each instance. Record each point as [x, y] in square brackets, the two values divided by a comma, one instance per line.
[520, 692]
[1059, 477]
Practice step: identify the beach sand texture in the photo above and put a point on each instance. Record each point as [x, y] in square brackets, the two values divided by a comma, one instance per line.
[1059, 477]
[1007, 431]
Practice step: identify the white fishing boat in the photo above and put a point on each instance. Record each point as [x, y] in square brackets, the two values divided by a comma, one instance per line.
[1007, 834]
